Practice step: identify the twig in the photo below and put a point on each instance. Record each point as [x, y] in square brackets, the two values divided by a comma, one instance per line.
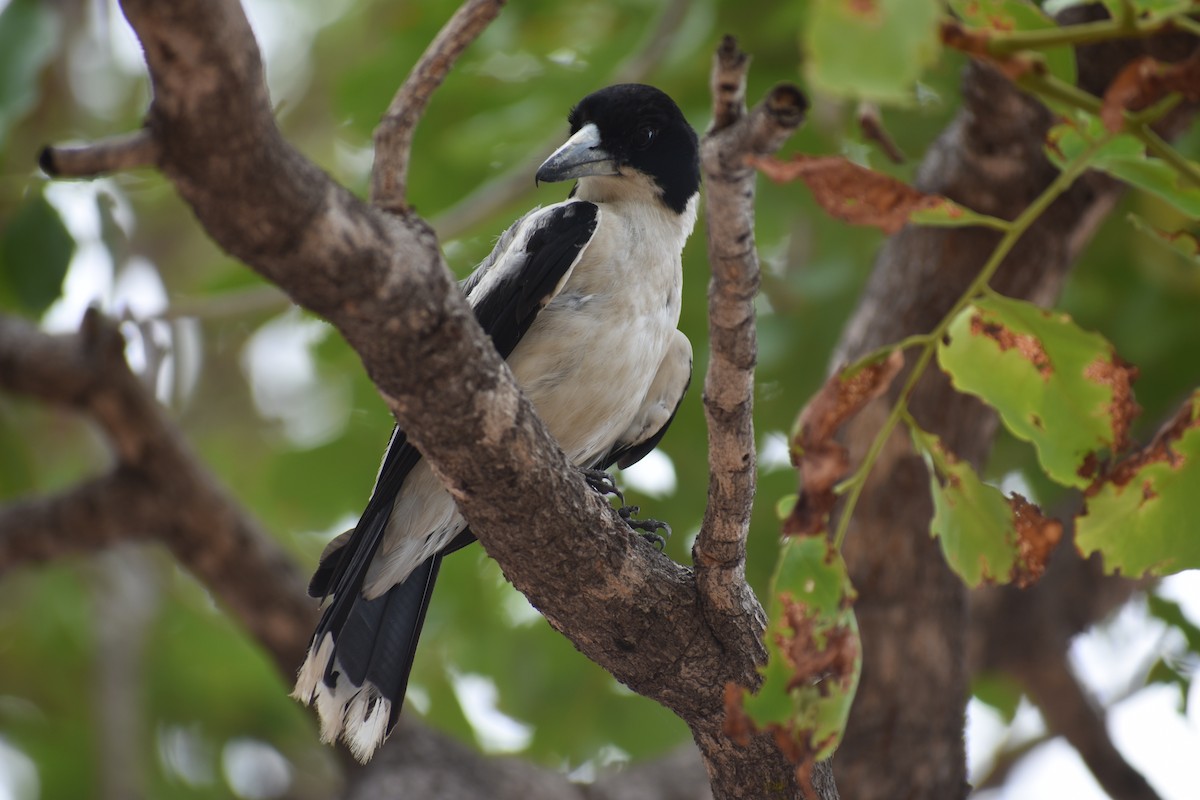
[871, 124]
[720, 549]
[394, 136]
[1009, 756]
[136, 149]
[728, 84]
[1070, 712]
[515, 181]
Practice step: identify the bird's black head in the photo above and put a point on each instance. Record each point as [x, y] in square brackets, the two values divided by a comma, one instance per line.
[626, 127]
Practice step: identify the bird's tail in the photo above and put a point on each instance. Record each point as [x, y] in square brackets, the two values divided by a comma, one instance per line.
[359, 661]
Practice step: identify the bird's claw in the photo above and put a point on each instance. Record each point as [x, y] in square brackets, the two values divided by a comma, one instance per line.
[603, 483]
[647, 528]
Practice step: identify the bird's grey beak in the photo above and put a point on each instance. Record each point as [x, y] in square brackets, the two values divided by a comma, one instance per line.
[579, 157]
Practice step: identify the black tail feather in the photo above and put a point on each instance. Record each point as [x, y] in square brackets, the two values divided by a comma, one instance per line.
[378, 641]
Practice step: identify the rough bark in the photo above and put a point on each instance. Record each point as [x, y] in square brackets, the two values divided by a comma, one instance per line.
[378, 276]
[905, 733]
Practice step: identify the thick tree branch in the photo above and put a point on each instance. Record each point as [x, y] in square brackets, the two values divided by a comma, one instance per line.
[157, 490]
[394, 135]
[380, 279]
[429, 764]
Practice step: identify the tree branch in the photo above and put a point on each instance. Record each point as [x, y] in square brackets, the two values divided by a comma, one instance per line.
[1027, 634]
[728, 604]
[137, 149]
[720, 549]
[157, 491]
[394, 136]
[380, 280]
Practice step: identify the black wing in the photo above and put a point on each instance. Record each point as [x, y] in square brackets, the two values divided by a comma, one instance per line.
[516, 280]
[509, 290]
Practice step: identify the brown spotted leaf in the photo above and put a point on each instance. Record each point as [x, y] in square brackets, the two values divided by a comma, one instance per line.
[985, 537]
[820, 458]
[1184, 242]
[851, 193]
[1055, 385]
[814, 656]
[1142, 514]
[975, 42]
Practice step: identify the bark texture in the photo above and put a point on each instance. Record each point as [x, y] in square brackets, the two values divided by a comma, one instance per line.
[376, 273]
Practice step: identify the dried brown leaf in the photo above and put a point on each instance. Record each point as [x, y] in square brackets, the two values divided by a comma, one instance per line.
[821, 460]
[1037, 536]
[851, 193]
[1145, 81]
[975, 44]
[813, 661]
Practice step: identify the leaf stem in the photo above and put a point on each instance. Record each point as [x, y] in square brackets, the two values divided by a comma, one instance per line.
[1125, 25]
[1057, 89]
[1188, 169]
[855, 484]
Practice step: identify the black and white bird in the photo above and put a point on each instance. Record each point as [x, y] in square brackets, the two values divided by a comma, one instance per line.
[582, 298]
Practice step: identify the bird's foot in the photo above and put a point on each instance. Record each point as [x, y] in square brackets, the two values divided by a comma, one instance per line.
[603, 483]
[647, 528]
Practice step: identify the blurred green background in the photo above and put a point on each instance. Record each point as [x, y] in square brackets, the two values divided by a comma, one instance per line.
[120, 670]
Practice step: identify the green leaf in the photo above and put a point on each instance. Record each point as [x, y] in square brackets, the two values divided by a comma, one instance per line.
[814, 655]
[1171, 613]
[35, 251]
[785, 505]
[1055, 385]
[1165, 672]
[1143, 516]
[1125, 158]
[1006, 16]
[1000, 691]
[871, 49]
[972, 520]
[1183, 242]
[28, 40]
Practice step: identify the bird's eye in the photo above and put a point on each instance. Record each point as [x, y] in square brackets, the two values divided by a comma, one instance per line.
[644, 136]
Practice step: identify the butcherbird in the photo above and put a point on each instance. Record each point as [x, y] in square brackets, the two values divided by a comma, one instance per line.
[582, 298]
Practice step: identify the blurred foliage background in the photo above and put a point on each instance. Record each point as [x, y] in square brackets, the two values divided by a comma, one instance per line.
[120, 671]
